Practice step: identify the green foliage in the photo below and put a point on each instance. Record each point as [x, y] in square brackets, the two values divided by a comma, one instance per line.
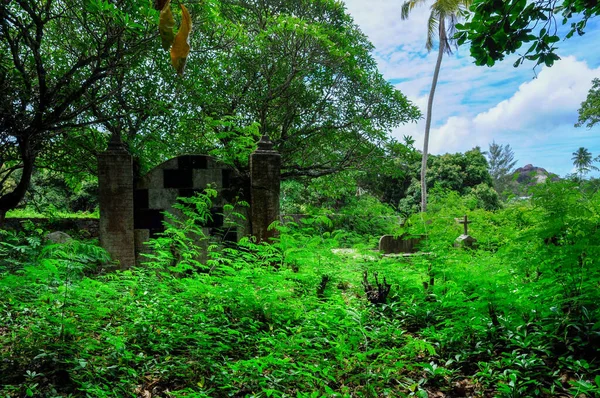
[52, 193]
[589, 113]
[185, 246]
[365, 215]
[502, 165]
[59, 64]
[300, 72]
[465, 173]
[583, 161]
[483, 196]
[518, 316]
[19, 249]
[498, 28]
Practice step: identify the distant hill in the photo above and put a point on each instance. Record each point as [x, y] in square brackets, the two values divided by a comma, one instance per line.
[530, 175]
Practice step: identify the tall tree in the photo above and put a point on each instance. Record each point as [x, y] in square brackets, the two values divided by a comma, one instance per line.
[502, 165]
[589, 113]
[55, 57]
[303, 71]
[299, 71]
[583, 161]
[441, 25]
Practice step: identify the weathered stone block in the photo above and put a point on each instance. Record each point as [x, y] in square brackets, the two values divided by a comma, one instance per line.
[185, 176]
[265, 169]
[58, 237]
[154, 179]
[202, 178]
[162, 198]
[180, 178]
[389, 244]
[193, 162]
[465, 241]
[141, 236]
[149, 219]
[115, 197]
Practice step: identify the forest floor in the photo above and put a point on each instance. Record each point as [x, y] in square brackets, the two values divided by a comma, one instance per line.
[318, 313]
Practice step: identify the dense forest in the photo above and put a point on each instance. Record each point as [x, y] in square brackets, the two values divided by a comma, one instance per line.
[504, 305]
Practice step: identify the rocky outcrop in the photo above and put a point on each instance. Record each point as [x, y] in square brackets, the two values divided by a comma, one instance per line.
[531, 175]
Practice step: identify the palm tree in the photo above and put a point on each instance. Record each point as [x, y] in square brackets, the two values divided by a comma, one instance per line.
[442, 26]
[582, 160]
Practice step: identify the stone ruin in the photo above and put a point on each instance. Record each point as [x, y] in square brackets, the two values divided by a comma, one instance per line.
[131, 212]
[391, 244]
[405, 243]
[465, 240]
[185, 176]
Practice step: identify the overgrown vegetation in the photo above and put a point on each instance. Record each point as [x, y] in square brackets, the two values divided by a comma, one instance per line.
[517, 317]
[317, 312]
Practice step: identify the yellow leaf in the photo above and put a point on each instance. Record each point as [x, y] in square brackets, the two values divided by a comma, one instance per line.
[181, 46]
[166, 24]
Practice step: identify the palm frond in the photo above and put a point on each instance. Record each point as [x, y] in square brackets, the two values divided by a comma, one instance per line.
[408, 6]
[441, 24]
[432, 30]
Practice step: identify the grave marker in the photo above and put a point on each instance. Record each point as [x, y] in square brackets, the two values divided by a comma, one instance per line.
[465, 240]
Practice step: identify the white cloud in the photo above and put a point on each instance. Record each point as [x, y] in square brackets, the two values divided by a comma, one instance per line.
[553, 97]
[539, 112]
[536, 120]
[474, 105]
[380, 20]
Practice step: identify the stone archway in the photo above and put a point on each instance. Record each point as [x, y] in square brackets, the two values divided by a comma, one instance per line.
[184, 176]
[130, 214]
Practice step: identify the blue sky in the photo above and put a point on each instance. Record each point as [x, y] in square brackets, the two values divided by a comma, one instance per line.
[533, 111]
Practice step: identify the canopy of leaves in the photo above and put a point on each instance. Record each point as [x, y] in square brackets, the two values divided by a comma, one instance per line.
[303, 71]
[459, 171]
[464, 173]
[56, 61]
[497, 28]
[583, 161]
[298, 71]
[589, 113]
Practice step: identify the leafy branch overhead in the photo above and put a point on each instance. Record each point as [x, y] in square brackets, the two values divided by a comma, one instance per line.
[589, 113]
[179, 44]
[498, 28]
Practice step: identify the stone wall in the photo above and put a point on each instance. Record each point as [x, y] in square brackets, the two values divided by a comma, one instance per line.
[131, 212]
[388, 244]
[185, 176]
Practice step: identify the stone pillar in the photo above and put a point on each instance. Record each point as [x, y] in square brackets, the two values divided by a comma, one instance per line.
[115, 197]
[265, 175]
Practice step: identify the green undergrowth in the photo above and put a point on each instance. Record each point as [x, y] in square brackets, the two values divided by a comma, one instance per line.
[51, 214]
[516, 317]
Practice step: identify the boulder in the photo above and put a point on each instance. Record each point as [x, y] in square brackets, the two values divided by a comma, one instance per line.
[465, 241]
[58, 237]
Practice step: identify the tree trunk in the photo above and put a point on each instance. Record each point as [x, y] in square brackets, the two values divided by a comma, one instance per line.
[436, 73]
[12, 199]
